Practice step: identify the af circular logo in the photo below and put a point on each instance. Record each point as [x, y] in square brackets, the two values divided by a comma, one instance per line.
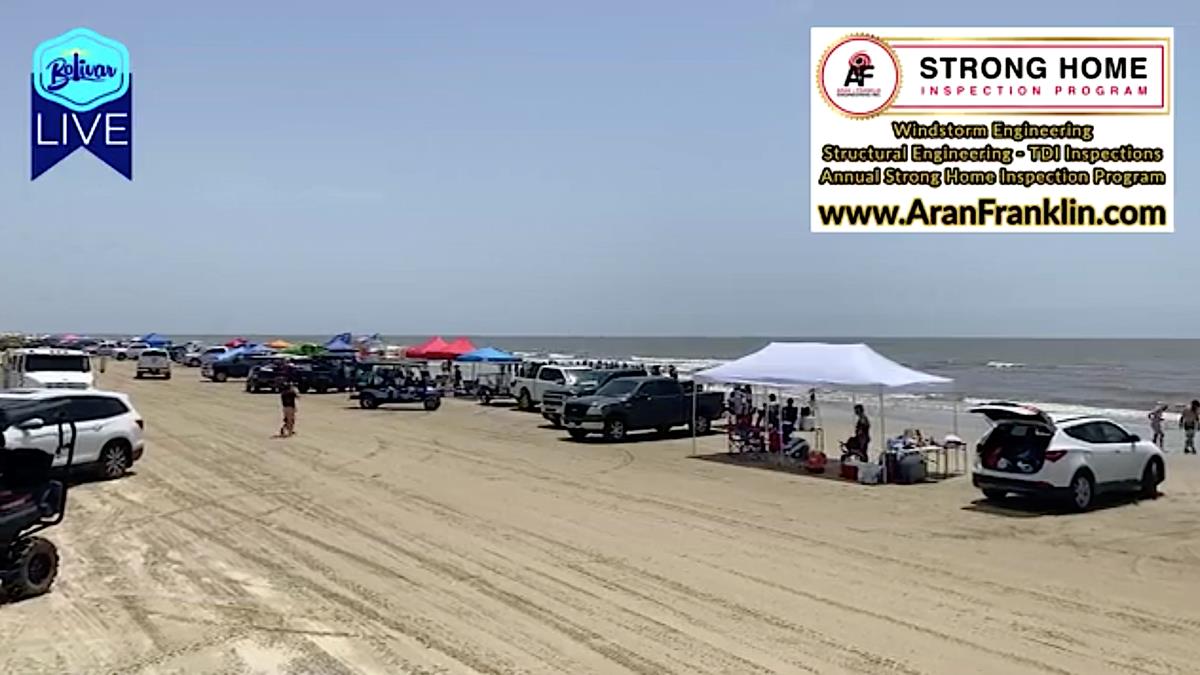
[859, 76]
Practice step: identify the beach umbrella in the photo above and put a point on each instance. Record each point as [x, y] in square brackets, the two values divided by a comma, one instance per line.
[279, 344]
[236, 342]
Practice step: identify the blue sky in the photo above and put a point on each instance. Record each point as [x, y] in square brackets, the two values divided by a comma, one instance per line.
[520, 167]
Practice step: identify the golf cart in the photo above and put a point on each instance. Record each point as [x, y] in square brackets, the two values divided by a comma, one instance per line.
[396, 383]
[492, 386]
[29, 500]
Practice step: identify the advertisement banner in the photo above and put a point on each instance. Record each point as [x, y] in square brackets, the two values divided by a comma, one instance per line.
[992, 130]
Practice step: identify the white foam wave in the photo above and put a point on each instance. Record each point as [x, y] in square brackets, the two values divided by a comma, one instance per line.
[1004, 364]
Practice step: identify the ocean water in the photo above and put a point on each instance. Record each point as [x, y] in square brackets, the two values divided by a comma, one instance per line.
[1117, 377]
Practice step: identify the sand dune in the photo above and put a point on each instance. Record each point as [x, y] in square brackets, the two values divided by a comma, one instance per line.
[470, 540]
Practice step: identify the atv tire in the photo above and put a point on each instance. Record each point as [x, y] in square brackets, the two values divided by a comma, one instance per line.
[32, 565]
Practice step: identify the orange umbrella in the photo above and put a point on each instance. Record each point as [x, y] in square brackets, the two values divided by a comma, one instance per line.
[279, 344]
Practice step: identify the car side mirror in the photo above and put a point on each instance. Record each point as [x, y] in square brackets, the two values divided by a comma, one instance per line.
[1134, 438]
[31, 424]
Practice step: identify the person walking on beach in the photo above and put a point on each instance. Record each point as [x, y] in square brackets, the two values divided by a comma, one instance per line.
[1156, 423]
[287, 396]
[1189, 420]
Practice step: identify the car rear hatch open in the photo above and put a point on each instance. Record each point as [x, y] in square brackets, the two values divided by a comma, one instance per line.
[1018, 441]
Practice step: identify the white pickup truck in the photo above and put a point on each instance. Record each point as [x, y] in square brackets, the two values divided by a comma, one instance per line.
[531, 384]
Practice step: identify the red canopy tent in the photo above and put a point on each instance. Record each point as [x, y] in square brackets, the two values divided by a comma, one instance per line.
[236, 342]
[427, 348]
[459, 347]
[437, 349]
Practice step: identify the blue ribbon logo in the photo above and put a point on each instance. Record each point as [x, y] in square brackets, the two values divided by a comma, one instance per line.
[82, 96]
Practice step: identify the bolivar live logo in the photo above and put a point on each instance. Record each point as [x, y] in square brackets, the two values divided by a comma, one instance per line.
[82, 96]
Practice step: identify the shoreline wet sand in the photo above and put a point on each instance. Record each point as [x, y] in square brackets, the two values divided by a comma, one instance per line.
[473, 540]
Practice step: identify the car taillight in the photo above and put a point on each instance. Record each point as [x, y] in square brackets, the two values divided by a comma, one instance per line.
[141, 424]
[1055, 455]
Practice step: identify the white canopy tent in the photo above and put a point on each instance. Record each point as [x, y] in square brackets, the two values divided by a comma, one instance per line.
[819, 364]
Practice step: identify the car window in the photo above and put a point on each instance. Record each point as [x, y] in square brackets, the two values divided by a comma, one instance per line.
[1088, 433]
[1110, 433]
[657, 388]
[88, 408]
[78, 363]
[551, 375]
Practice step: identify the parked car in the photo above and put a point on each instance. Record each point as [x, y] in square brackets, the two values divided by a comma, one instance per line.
[211, 354]
[1075, 458]
[309, 374]
[109, 428]
[105, 348]
[154, 362]
[633, 403]
[191, 357]
[532, 382]
[554, 399]
[239, 365]
[45, 367]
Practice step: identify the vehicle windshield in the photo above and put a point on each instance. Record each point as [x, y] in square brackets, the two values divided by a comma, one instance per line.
[215, 350]
[589, 377]
[40, 363]
[618, 387]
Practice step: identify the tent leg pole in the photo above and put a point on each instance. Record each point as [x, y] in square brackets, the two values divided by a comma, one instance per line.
[695, 385]
[882, 435]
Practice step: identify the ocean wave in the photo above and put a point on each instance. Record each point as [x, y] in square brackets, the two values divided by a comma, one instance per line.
[1004, 364]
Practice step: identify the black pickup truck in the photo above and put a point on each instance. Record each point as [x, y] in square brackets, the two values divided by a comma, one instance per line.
[633, 403]
[554, 398]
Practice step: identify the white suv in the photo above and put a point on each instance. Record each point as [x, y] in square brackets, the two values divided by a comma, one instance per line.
[1026, 452]
[108, 428]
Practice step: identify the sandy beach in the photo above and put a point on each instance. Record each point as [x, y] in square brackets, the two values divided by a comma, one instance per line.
[474, 540]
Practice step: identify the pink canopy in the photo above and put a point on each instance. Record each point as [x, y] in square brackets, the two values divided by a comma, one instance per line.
[437, 349]
[435, 345]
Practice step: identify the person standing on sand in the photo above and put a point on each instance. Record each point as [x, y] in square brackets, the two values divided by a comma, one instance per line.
[1189, 420]
[1156, 423]
[287, 396]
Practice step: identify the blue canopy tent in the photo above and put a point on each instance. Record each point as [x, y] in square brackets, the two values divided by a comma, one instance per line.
[340, 344]
[155, 340]
[489, 355]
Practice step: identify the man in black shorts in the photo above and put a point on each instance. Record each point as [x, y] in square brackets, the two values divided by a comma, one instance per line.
[287, 396]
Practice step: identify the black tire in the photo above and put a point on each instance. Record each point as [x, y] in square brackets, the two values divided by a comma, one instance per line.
[121, 357]
[115, 459]
[321, 389]
[702, 426]
[220, 376]
[524, 400]
[578, 434]
[1082, 491]
[303, 388]
[555, 421]
[32, 567]
[167, 376]
[485, 396]
[432, 404]
[368, 401]
[250, 388]
[615, 430]
[662, 431]
[137, 376]
[1152, 476]
[994, 495]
